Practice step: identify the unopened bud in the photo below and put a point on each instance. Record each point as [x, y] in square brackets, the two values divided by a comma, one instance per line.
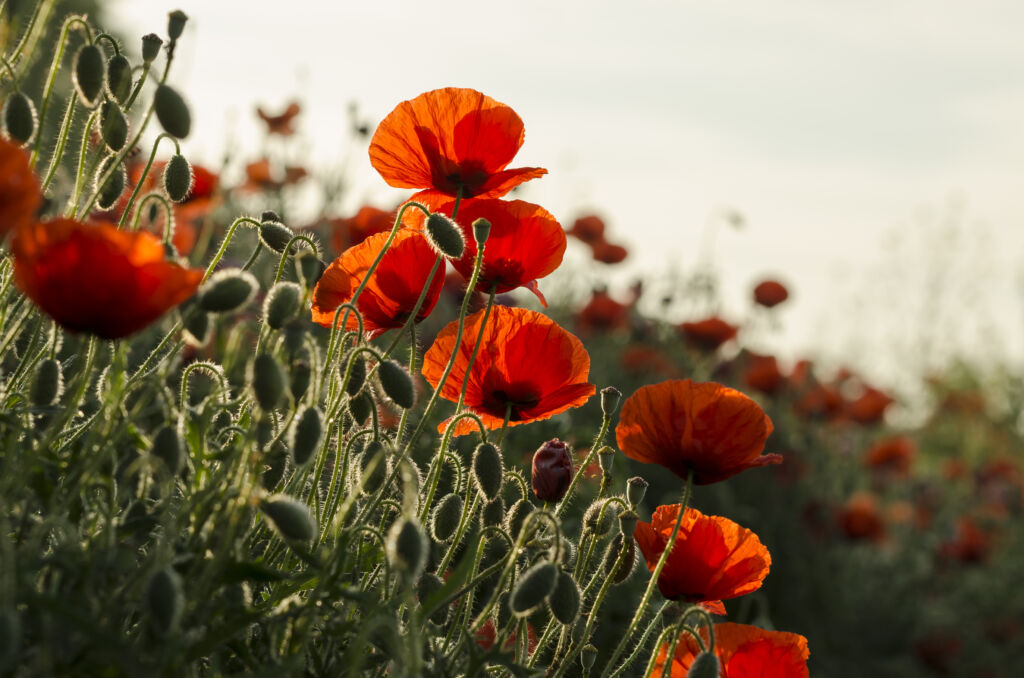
[534, 587]
[587, 657]
[605, 458]
[360, 407]
[552, 471]
[610, 398]
[90, 74]
[291, 518]
[565, 599]
[600, 517]
[151, 44]
[430, 584]
[268, 381]
[110, 191]
[301, 374]
[294, 336]
[396, 384]
[276, 236]
[281, 304]
[517, 515]
[481, 231]
[356, 375]
[493, 512]
[47, 383]
[176, 24]
[621, 572]
[444, 521]
[19, 118]
[269, 215]
[705, 665]
[197, 328]
[636, 488]
[119, 78]
[307, 433]
[407, 547]
[178, 178]
[113, 126]
[488, 470]
[445, 235]
[172, 111]
[227, 290]
[309, 267]
[376, 456]
[169, 447]
[165, 600]
[627, 523]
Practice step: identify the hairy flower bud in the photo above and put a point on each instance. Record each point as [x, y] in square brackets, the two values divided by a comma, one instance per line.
[197, 328]
[445, 236]
[178, 178]
[444, 520]
[172, 111]
[611, 557]
[552, 471]
[151, 43]
[428, 585]
[281, 304]
[533, 588]
[488, 470]
[112, 188]
[227, 290]
[300, 375]
[268, 381]
[705, 665]
[47, 383]
[165, 600]
[636, 488]
[309, 267]
[396, 384]
[19, 118]
[119, 78]
[374, 455]
[290, 517]
[407, 547]
[357, 375]
[360, 406]
[113, 126]
[517, 516]
[169, 447]
[276, 236]
[600, 517]
[89, 74]
[306, 435]
[493, 512]
[565, 599]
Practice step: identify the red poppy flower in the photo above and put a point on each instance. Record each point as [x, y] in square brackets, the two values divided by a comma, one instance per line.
[353, 230]
[893, 454]
[708, 334]
[608, 253]
[602, 313]
[449, 140]
[703, 427]
[770, 293]
[486, 635]
[525, 361]
[525, 242]
[19, 189]
[713, 559]
[588, 229]
[258, 176]
[643, 359]
[390, 296]
[280, 124]
[820, 400]
[94, 278]
[870, 407]
[969, 545]
[743, 652]
[860, 518]
[763, 374]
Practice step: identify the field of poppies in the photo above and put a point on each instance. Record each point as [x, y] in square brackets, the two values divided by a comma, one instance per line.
[387, 443]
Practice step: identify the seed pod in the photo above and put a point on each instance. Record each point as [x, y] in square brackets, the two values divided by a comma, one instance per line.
[19, 118]
[357, 376]
[197, 328]
[281, 304]
[599, 524]
[481, 231]
[407, 547]
[605, 459]
[493, 512]
[705, 665]
[227, 290]
[430, 584]
[627, 523]
[151, 47]
[445, 236]
[268, 381]
[113, 126]
[444, 521]
[165, 600]
[172, 112]
[360, 407]
[621, 573]
[276, 236]
[551, 471]
[309, 267]
[488, 470]
[291, 518]
[10, 637]
[176, 24]
[264, 431]
[119, 78]
[396, 384]
[565, 599]
[610, 398]
[169, 447]
[90, 74]
[306, 435]
[178, 178]
[110, 192]
[587, 657]
[47, 383]
[636, 488]
[301, 374]
[533, 588]
[517, 515]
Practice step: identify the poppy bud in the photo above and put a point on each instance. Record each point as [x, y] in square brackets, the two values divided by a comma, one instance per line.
[113, 126]
[481, 231]
[306, 435]
[446, 517]
[565, 599]
[605, 458]
[445, 236]
[291, 518]
[276, 236]
[151, 47]
[268, 381]
[176, 24]
[19, 118]
[488, 470]
[309, 267]
[172, 112]
[533, 588]
[407, 547]
[705, 665]
[110, 192]
[269, 215]
[517, 515]
[178, 178]
[169, 447]
[281, 304]
[357, 375]
[360, 407]
[636, 488]
[372, 481]
[627, 523]
[610, 398]
[165, 600]
[493, 512]
[119, 78]
[264, 431]
[430, 584]
[227, 290]
[600, 517]
[552, 471]
[294, 336]
[47, 383]
[611, 556]
[90, 74]
[301, 374]
[587, 657]
[10, 637]
[396, 384]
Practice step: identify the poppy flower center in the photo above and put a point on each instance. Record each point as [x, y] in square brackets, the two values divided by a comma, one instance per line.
[520, 396]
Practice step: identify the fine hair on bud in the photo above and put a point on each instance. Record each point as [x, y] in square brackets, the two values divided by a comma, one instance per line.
[488, 470]
[20, 118]
[89, 74]
[306, 435]
[611, 557]
[309, 267]
[565, 599]
[119, 78]
[428, 585]
[493, 512]
[227, 290]
[113, 126]
[517, 516]
[268, 381]
[169, 447]
[373, 468]
[300, 374]
[178, 178]
[356, 368]
[397, 384]
[407, 547]
[533, 589]
[198, 328]
[601, 517]
[360, 406]
[445, 236]
[172, 111]
[290, 517]
[281, 304]
[109, 192]
[276, 236]
[444, 520]
[165, 600]
[705, 665]
[47, 383]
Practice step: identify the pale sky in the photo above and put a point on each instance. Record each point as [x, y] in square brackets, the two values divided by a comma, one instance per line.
[827, 124]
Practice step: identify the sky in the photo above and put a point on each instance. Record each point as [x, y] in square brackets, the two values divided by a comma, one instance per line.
[875, 149]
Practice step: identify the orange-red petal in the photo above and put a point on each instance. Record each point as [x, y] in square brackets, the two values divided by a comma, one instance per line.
[19, 188]
[743, 652]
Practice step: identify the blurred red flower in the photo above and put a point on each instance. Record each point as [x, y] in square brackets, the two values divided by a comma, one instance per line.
[743, 652]
[282, 123]
[602, 313]
[770, 293]
[608, 253]
[762, 374]
[860, 518]
[588, 229]
[19, 189]
[970, 543]
[870, 407]
[893, 455]
[349, 231]
[708, 334]
[188, 214]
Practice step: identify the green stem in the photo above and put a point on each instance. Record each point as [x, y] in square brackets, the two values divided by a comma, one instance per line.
[58, 56]
[142, 179]
[62, 140]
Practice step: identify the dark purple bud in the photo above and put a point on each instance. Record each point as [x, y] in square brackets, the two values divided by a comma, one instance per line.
[552, 470]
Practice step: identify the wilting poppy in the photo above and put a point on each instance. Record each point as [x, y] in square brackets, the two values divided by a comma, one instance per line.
[525, 242]
[588, 229]
[390, 296]
[743, 652]
[94, 278]
[893, 455]
[19, 188]
[602, 313]
[870, 407]
[708, 334]
[280, 124]
[526, 363]
[770, 293]
[860, 518]
[713, 558]
[608, 253]
[451, 140]
[349, 231]
[709, 429]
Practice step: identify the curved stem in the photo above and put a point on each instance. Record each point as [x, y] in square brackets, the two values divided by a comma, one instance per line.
[145, 173]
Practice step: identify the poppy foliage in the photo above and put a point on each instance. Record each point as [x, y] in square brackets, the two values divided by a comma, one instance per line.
[527, 365]
[713, 558]
[391, 295]
[743, 652]
[94, 278]
[19, 188]
[709, 429]
[451, 140]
